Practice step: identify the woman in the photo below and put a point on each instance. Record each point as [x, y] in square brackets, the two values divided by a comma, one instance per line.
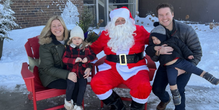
[52, 71]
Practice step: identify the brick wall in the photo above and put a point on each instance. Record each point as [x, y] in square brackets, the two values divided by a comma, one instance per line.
[30, 13]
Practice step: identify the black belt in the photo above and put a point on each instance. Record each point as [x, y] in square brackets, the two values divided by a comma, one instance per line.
[123, 59]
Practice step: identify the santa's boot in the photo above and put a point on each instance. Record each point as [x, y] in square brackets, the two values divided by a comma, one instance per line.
[115, 101]
[176, 97]
[136, 106]
[211, 78]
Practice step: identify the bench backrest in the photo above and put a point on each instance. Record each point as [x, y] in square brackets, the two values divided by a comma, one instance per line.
[32, 49]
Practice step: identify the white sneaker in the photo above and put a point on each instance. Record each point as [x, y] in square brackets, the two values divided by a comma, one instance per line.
[67, 105]
[78, 107]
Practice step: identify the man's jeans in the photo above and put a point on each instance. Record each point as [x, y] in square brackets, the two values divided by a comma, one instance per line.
[161, 81]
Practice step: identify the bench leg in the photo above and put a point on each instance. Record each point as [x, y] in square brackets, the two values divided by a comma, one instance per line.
[145, 106]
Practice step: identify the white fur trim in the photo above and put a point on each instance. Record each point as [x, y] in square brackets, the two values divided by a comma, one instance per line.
[104, 67]
[94, 61]
[121, 12]
[124, 71]
[105, 95]
[141, 101]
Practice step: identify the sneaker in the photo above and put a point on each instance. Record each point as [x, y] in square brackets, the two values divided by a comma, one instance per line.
[162, 105]
[68, 106]
[78, 107]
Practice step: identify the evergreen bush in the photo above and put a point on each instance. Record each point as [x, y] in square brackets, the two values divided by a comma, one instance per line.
[7, 22]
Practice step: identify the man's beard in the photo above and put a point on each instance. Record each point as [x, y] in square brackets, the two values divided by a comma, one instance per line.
[121, 36]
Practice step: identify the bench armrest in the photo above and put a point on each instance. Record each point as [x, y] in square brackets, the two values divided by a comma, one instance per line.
[27, 76]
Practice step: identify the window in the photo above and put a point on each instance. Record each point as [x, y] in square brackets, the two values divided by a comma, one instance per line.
[102, 8]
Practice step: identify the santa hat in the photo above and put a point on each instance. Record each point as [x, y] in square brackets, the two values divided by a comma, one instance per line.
[159, 32]
[77, 32]
[121, 12]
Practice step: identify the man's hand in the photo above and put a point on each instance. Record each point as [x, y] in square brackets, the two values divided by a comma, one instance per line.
[78, 59]
[190, 57]
[166, 49]
[157, 48]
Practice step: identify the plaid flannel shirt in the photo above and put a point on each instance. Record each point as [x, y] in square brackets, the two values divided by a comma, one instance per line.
[70, 56]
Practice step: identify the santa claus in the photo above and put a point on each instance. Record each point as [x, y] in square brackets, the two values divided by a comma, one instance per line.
[123, 42]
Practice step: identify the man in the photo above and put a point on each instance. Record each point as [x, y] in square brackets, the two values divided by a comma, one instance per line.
[186, 34]
[123, 43]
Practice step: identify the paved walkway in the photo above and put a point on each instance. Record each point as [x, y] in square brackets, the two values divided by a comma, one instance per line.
[196, 99]
[17, 100]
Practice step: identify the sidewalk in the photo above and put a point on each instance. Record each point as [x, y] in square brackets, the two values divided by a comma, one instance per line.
[17, 99]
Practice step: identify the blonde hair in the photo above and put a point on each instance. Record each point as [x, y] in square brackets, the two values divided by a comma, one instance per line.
[85, 45]
[70, 41]
[46, 32]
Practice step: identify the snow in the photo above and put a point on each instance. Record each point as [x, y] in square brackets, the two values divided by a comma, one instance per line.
[1, 7]
[199, 92]
[70, 13]
[7, 22]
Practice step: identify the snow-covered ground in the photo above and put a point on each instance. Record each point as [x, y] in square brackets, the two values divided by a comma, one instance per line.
[201, 95]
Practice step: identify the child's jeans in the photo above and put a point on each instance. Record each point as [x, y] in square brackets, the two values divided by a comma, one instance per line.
[181, 64]
[82, 84]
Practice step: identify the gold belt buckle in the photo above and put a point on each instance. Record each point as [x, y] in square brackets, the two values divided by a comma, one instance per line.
[120, 59]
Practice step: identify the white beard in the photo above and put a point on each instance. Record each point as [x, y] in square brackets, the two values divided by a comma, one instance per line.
[121, 36]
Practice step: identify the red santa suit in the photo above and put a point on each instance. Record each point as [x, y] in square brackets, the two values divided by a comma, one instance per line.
[133, 75]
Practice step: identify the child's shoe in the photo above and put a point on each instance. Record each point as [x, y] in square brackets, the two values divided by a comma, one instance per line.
[67, 105]
[211, 78]
[176, 97]
[78, 107]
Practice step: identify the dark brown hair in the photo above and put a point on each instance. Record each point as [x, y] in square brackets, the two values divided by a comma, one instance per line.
[165, 5]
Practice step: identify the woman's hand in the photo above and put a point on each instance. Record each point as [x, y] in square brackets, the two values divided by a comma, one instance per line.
[72, 76]
[87, 73]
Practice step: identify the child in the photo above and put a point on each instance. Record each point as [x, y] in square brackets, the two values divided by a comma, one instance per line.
[77, 57]
[178, 59]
